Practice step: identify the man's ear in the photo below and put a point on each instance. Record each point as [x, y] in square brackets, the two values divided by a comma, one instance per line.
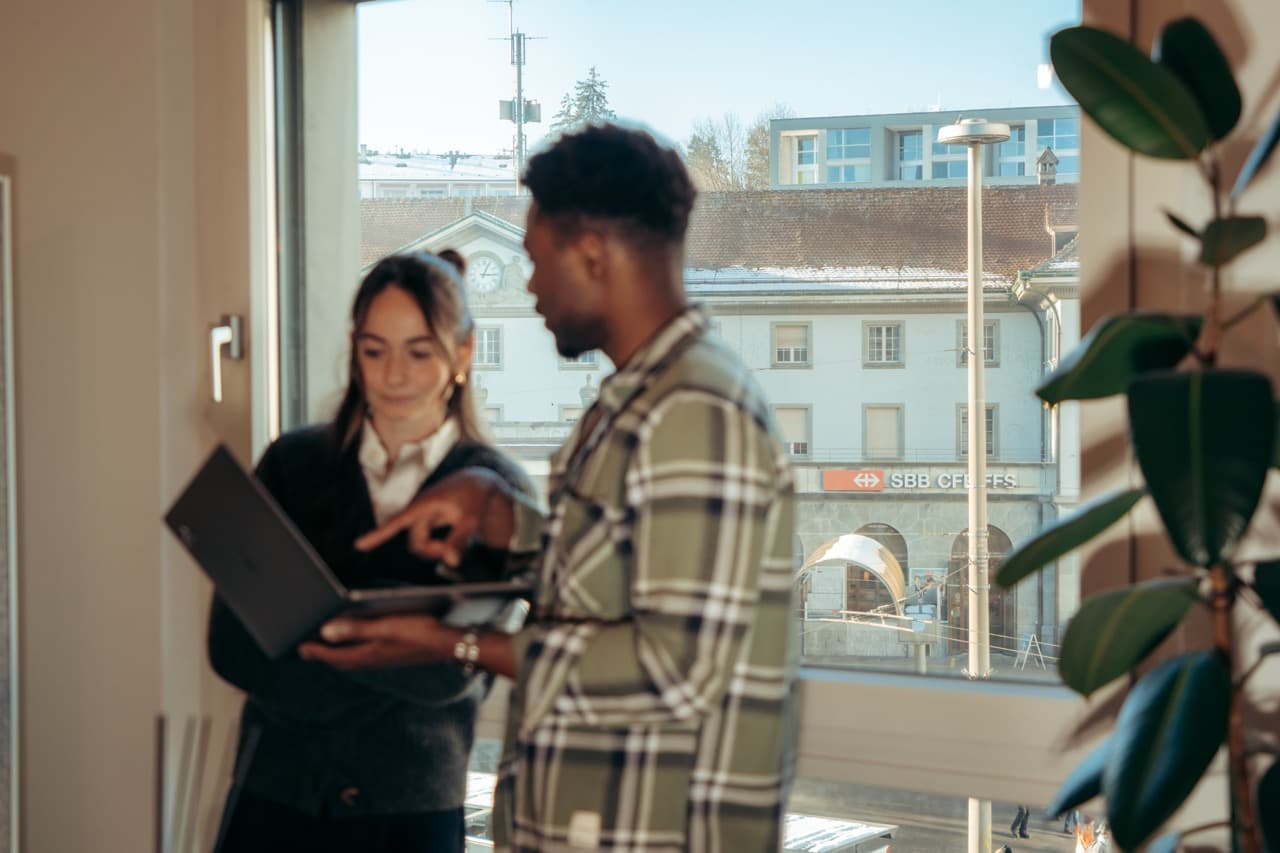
[593, 253]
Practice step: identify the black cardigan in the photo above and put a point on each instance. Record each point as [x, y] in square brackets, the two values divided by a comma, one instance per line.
[311, 735]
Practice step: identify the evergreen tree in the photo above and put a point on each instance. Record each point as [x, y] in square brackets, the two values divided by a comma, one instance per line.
[589, 102]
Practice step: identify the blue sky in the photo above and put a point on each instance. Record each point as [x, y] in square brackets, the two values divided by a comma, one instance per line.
[432, 71]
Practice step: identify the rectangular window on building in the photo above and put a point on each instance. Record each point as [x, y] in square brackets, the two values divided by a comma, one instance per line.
[849, 155]
[492, 414]
[990, 342]
[1063, 136]
[488, 348]
[793, 424]
[570, 414]
[791, 345]
[882, 431]
[950, 161]
[589, 359]
[1011, 155]
[884, 345]
[806, 160]
[910, 155]
[962, 431]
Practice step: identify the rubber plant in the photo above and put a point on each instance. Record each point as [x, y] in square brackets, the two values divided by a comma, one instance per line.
[1204, 437]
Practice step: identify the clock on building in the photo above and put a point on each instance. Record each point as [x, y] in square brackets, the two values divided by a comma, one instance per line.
[484, 272]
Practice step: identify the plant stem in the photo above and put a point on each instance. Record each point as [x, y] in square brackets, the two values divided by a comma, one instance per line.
[1244, 312]
[1214, 332]
[1244, 825]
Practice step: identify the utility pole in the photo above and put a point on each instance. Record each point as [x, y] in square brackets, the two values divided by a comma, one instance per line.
[519, 111]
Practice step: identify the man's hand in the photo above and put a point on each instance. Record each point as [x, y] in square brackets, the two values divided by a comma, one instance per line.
[464, 507]
[388, 641]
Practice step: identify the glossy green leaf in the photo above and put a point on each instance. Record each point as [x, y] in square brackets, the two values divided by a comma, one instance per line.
[1167, 843]
[1187, 49]
[1223, 239]
[1142, 105]
[1065, 535]
[1118, 349]
[1268, 806]
[1266, 582]
[1258, 157]
[1113, 632]
[1084, 783]
[1182, 224]
[1204, 440]
[1167, 733]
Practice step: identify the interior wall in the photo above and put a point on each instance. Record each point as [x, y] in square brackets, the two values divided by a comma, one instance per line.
[99, 106]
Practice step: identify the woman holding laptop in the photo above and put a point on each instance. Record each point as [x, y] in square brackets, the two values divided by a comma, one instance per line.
[368, 761]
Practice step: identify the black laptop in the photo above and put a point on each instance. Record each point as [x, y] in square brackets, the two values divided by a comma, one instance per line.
[273, 580]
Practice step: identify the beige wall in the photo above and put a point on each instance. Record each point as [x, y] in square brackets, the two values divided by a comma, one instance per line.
[129, 135]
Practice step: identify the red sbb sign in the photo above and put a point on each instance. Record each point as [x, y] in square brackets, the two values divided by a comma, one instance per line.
[863, 480]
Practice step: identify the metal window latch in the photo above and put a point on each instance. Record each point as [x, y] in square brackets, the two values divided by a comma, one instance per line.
[228, 333]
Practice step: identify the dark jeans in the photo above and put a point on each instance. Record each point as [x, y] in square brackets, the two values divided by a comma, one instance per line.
[1019, 826]
[261, 826]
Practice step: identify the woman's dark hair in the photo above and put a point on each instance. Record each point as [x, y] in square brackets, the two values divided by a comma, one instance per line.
[435, 283]
[608, 172]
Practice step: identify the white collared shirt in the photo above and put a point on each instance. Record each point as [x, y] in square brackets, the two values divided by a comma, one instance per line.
[391, 487]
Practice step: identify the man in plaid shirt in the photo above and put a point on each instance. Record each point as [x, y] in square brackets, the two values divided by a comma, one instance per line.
[653, 706]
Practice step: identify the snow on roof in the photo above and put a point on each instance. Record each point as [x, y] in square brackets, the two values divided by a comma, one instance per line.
[434, 167]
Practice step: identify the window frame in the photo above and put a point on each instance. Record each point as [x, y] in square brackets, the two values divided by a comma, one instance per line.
[899, 162]
[962, 438]
[962, 335]
[561, 408]
[992, 741]
[842, 163]
[578, 363]
[807, 408]
[774, 363]
[901, 453]
[1019, 159]
[476, 364]
[867, 362]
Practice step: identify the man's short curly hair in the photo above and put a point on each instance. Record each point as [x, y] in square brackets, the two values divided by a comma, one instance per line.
[613, 173]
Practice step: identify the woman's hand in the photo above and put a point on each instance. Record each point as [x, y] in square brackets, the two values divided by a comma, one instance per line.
[384, 642]
[471, 505]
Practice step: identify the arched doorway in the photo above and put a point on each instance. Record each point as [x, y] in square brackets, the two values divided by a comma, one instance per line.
[872, 579]
[1001, 603]
[888, 536]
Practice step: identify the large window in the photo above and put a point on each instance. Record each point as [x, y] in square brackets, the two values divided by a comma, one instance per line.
[817, 218]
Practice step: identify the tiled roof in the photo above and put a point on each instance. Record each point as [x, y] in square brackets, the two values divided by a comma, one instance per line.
[1066, 262]
[891, 229]
[387, 225]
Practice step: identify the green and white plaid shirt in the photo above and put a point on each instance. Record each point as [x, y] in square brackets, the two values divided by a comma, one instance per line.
[653, 706]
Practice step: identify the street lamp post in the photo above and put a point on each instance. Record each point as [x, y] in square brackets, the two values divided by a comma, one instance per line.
[975, 133]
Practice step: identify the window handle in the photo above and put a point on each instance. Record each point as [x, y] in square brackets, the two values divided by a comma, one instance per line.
[228, 333]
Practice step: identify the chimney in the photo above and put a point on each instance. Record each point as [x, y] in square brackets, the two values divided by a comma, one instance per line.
[1047, 168]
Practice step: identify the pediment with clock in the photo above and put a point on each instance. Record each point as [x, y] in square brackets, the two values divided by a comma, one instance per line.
[497, 266]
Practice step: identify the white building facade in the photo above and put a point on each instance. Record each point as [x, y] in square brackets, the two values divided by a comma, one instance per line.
[862, 350]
